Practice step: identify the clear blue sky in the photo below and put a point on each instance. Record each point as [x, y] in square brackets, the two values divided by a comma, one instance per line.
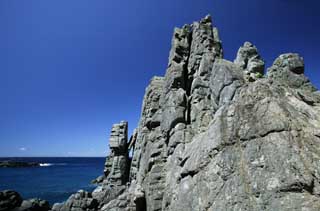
[70, 69]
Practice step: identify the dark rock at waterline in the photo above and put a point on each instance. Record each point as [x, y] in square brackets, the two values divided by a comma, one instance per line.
[17, 164]
[34, 205]
[9, 200]
[12, 201]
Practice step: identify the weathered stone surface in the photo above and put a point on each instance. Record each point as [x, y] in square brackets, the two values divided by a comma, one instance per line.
[257, 152]
[205, 48]
[110, 185]
[217, 135]
[117, 163]
[250, 61]
[80, 201]
[125, 202]
[178, 58]
[288, 69]
[34, 205]
[98, 180]
[290, 61]
[105, 193]
[119, 137]
[225, 79]
[149, 121]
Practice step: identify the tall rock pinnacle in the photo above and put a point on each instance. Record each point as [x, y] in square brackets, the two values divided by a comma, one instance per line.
[218, 135]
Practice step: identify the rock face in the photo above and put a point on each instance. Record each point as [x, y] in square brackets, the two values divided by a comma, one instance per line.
[80, 201]
[250, 61]
[117, 163]
[112, 183]
[219, 135]
[216, 135]
[34, 205]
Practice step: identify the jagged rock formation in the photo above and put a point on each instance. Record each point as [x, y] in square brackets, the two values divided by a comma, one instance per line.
[117, 164]
[79, 201]
[218, 135]
[34, 205]
[112, 183]
[250, 61]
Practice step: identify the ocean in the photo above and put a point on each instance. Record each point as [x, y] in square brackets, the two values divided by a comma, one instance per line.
[55, 180]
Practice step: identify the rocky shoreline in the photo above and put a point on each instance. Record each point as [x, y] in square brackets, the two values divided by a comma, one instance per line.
[213, 135]
[11, 200]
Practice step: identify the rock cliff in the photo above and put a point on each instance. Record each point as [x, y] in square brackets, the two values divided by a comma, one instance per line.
[218, 135]
[221, 135]
[215, 135]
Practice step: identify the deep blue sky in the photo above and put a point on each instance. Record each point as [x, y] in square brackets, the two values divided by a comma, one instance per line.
[70, 69]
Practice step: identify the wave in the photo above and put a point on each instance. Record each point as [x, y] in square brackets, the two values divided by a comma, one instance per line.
[51, 164]
[45, 164]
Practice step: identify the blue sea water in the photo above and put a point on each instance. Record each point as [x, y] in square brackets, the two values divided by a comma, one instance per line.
[55, 180]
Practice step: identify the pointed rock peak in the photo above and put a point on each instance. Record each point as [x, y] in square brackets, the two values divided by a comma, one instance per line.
[186, 27]
[247, 50]
[206, 19]
[250, 61]
[248, 44]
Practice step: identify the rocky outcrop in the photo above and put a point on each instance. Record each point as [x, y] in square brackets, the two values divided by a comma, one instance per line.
[9, 200]
[215, 135]
[219, 135]
[289, 69]
[12, 201]
[250, 61]
[114, 180]
[80, 201]
[117, 163]
[34, 205]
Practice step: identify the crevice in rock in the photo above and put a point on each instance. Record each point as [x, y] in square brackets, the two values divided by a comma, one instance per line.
[183, 162]
[188, 112]
[267, 133]
[188, 82]
[189, 173]
[298, 188]
[141, 204]
[272, 131]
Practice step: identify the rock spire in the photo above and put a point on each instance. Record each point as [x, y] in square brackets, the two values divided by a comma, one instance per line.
[217, 135]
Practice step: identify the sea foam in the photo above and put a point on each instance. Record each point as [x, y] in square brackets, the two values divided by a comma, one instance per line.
[45, 164]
